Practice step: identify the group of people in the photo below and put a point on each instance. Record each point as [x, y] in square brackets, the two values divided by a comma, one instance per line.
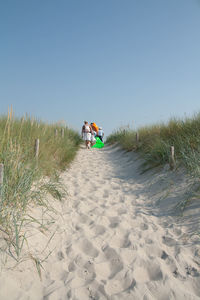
[90, 132]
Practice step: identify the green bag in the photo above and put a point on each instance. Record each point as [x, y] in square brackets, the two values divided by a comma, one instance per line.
[99, 143]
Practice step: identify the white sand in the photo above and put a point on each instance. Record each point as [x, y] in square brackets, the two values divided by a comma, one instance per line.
[116, 236]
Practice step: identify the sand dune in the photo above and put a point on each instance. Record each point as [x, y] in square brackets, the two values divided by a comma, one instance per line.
[117, 236]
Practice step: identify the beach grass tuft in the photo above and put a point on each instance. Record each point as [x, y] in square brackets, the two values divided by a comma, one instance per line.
[24, 173]
[156, 140]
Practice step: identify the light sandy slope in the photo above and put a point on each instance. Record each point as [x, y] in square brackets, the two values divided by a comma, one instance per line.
[117, 236]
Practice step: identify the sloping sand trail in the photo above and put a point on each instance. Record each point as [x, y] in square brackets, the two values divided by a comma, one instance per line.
[117, 236]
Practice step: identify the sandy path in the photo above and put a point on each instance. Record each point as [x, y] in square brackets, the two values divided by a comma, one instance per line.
[111, 243]
[114, 248]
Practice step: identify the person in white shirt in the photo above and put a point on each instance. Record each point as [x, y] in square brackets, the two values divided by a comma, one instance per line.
[100, 133]
[86, 134]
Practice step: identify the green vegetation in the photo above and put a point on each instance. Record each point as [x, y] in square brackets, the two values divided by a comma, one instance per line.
[28, 179]
[155, 142]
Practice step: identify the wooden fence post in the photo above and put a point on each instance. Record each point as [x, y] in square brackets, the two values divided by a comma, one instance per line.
[37, 145]
[1, 178]
[62, 132]
[56, 132]
[1, 173]
[172, 160]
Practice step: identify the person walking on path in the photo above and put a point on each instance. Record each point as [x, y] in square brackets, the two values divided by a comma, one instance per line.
[93, 139]
[100, 133]
[95, 128]
[86, 134]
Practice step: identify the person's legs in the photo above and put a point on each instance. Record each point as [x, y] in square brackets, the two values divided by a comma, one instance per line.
[89, 140]
[89, 144]
[85, 139]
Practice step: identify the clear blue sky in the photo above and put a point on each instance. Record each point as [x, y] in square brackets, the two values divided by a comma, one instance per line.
[115, 62]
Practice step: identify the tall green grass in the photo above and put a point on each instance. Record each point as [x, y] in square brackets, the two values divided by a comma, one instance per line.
[155, 142]
[22, 182]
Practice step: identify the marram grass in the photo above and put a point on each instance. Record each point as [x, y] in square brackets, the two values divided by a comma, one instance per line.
[155, 142]
[23, 172]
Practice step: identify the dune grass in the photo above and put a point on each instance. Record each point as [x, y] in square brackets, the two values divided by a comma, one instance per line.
[155, 142]
[23, 172]
[154, 147]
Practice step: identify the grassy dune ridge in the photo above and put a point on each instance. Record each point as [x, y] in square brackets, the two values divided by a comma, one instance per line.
[155, 142]
[23, 173]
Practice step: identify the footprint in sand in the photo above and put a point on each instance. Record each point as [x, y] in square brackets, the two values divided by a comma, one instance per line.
[116, 265]
[88, 249]
[86, 274]
[81, 262]
[71, 267]
[148, 241]
[154, 227]
[144, 226]
[76, 204]
[105, 194]
[115, 187]
[121, 211]
[177, 231]
[152, 251]
[192, 271]
[128, 256]
[93, 291]
[114, 222]
[141, 275]
[99, 230]
[170, 262]
[96, 211]
[114, 260]
[78, 228]
[69, 252]
[84, 271]
[125, 283]
[164, 255]
[60, 255]
[122, 198]
[84, 219]
[120, 241]
[170, 242]
[154, 272]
